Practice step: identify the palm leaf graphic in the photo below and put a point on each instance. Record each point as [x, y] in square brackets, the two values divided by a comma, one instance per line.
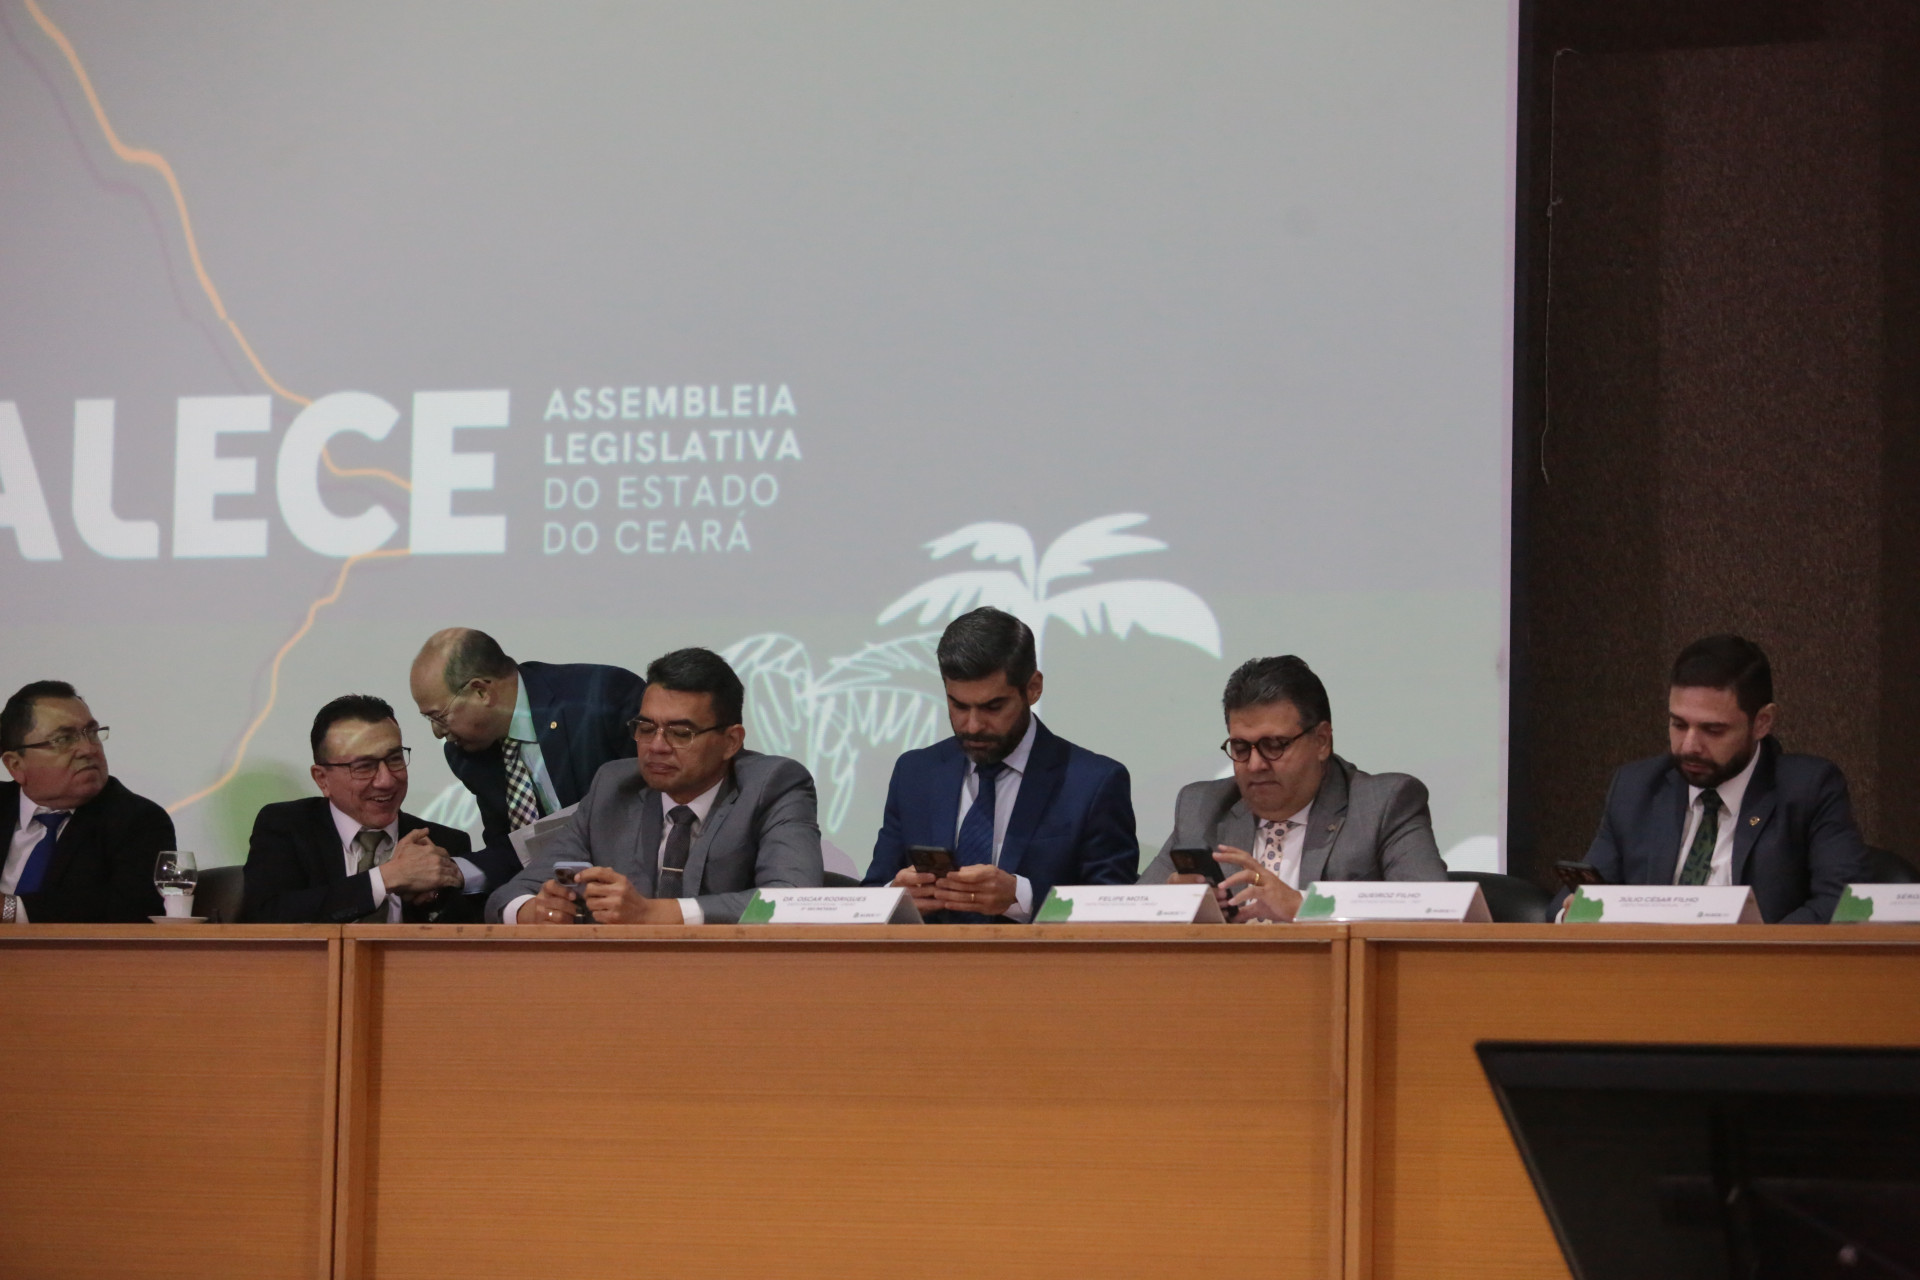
[991, 540]
[1073, 552]
[1157, 608]
[952, 594]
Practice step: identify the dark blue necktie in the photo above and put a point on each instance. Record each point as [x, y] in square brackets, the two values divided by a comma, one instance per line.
[976, 830]
[42, 856]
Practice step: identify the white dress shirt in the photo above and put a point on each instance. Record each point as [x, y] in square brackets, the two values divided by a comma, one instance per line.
[1283, 861]
[1006, 790]
[523, 731]
[1732, 792]
[702, 805]
[27, 835]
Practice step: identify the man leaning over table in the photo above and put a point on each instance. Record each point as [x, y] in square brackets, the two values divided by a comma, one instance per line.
[80, 845]
[1294, 812]
[689, 831]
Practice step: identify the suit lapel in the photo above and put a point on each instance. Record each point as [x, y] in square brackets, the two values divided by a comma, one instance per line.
[647, 857]
[1664, 858]
[320, 843]
[717, 816]
[944, 812]
[74, 835]
[1238, 827]
[550, 730]
[1756, 807]
[1046, 770]
[1324, 822]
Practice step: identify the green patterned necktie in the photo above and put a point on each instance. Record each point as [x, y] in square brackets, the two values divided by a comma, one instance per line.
[1700, 855]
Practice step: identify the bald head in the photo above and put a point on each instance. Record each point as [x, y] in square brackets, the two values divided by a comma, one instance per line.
[466, 687]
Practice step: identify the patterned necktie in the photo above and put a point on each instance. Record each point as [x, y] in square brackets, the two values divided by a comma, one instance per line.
[1699, 866]
[523, 802]
[976, 829]
[374, 848]
[671, 881]
[1269, 847]
[42, 856]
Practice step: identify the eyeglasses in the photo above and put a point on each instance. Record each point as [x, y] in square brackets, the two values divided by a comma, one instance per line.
[362, 770]
[67, 739]
[439, 718]
[1240, 750]
[677, 735]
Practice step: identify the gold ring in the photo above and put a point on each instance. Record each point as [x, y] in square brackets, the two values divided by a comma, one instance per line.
[1257, 881]
[973, 897]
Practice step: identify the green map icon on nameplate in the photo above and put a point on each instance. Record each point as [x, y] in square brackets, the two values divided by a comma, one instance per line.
[758, 910]
[1054, 909]
[1315, 906]
[1852, 909]
[1584, 910]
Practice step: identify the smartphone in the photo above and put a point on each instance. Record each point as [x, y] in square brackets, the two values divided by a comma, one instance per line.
[564, 873]
[1197, 860]
[1575, 874]
[931, 859]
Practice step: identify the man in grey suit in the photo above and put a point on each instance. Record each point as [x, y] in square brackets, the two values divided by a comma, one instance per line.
[1294, 812]
[687, 836]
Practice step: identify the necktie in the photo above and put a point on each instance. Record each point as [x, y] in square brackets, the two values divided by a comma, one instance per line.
[42, 856]
[976, 829]
[673, 859]
[1270, 848]
[373, 849]
[1700, 855]
[523, 802]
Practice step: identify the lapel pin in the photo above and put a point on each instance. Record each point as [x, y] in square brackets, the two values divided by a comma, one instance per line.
[553, 724]
[1754, 821]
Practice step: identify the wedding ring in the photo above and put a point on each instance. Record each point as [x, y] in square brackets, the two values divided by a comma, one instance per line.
[973, 897]
[1256, 880]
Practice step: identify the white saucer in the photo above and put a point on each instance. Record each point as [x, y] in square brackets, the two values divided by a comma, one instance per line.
[178, 919]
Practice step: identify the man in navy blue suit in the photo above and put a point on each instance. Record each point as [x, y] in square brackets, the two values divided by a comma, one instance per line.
[1021, 809]
[1727, 806]
[525, 738]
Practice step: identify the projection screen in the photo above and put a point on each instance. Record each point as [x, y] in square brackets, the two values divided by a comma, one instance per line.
[1183, 330]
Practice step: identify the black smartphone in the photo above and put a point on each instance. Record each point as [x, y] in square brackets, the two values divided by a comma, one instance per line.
[1197, 860]
[564, 873]
[931, 859]
[1575, 874]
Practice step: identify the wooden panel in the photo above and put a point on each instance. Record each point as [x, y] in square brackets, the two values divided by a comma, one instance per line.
[1448, 1193]
[170, 1101]
[725, 1102]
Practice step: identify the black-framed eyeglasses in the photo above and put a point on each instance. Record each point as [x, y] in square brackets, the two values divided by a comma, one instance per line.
[67, 739]
[1240, 750]
[678, 735]
[361, 770]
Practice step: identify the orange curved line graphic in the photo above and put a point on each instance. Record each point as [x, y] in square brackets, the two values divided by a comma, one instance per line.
[273, 675]
[158, 163]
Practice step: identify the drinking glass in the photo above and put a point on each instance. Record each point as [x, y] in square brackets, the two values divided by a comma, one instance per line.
[174, 874]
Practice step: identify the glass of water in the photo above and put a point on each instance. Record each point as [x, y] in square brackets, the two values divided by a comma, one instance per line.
[174, 874]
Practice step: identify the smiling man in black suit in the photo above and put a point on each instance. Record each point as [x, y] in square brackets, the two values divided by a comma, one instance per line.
[348, 855]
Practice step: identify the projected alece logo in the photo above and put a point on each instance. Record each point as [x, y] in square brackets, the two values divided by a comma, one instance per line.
[687, 484]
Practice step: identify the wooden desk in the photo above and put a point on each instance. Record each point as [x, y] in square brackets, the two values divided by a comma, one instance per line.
[1435, 1186]
[170, 1100]
[792, 1101]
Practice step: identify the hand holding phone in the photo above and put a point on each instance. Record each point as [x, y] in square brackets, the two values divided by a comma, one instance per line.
[566, 874]
[931, 860]
[1197, 860]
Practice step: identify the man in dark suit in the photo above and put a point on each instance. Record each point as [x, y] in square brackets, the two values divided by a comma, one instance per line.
[1726, 805]
[80, 845]
[526, 738]
[1294, 812]
[349, 854]
[1021, 809]
[688, 835]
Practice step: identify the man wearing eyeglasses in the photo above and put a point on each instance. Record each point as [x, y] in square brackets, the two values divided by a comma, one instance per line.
[1294, 812]
[687, 835]
[526, 738]
[349, 855]
[80, 845]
